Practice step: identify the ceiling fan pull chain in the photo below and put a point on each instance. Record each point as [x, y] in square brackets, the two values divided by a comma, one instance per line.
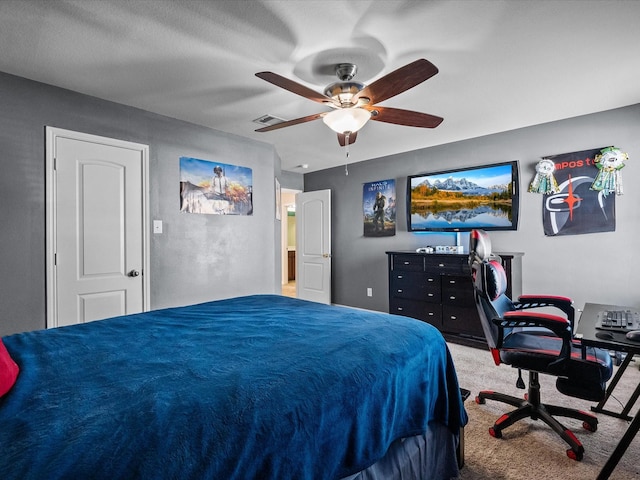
[346, 165]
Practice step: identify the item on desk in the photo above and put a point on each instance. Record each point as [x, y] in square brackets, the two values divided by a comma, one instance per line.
[424, 250]
[618, 320]
[633, 335]
[604, 335]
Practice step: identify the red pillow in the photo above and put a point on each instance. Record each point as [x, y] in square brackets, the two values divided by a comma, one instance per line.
[8, 370]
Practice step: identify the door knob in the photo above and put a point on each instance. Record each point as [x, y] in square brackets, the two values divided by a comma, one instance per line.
[133, 273]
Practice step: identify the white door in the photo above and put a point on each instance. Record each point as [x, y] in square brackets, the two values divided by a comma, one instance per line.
[313, 246]
[96, 228]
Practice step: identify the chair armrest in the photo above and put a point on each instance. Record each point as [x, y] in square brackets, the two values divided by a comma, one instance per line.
[561, 326]
[520, 318]
[564, 304]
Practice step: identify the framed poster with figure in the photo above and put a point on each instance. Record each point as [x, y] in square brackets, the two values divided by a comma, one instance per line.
[379, 206]
[215, 188]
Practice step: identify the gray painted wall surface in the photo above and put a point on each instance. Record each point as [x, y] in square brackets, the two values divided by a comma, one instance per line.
[291, 180]
[600, 267]
[197, 258]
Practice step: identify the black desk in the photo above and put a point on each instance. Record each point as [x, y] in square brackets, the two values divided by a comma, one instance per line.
[587, 332]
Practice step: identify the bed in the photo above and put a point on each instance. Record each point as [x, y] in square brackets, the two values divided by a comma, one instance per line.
[261, 386]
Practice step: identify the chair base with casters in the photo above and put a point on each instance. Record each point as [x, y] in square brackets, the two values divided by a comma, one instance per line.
[531, 407]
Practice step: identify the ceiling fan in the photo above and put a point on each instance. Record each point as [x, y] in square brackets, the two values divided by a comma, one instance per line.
[354, 103]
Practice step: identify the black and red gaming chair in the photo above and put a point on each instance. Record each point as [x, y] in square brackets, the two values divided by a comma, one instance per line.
[537, 342]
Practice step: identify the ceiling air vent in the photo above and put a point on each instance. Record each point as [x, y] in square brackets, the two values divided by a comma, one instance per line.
[268, 120]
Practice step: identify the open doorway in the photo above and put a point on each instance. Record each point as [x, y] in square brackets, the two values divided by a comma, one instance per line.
[288, 216]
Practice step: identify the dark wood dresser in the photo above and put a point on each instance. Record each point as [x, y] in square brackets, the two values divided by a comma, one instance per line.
[436, 288]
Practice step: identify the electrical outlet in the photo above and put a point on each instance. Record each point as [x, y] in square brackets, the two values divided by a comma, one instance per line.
[369, 292]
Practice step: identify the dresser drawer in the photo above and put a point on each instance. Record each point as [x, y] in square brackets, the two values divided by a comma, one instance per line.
[428, 312]
[410, 263]
[417, 286]
[457, 290]
[456, 319]
[446, 263]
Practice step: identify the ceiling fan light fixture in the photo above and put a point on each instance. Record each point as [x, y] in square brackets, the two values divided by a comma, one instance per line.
[346, 119]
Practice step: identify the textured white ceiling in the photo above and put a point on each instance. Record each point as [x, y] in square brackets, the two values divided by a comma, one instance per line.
[503, 64]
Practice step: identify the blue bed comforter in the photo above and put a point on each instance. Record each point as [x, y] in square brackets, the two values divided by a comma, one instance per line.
[262, 387]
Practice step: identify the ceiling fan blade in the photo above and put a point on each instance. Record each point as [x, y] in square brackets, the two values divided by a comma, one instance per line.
[294, 87]
[342, 138]
[399, 116]
[290, 123]
[398, 81]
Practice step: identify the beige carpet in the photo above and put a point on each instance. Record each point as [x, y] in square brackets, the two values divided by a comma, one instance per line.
[289, 290]
[530, 449]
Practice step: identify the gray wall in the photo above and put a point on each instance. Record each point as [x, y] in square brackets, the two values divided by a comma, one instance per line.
[197, 258]
[600, 267]
[291, 180]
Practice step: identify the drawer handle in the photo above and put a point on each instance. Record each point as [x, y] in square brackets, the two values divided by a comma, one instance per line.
[407, 263]
[429, 294]
[452, 297]
[400, 291]
[400, 276]
[441, 264]
[430, 280]
[452, 282]
[400, 309]
[431, 314]
[453, 317]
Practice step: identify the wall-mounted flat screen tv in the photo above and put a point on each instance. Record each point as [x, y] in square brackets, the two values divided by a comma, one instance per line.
[459, 200]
